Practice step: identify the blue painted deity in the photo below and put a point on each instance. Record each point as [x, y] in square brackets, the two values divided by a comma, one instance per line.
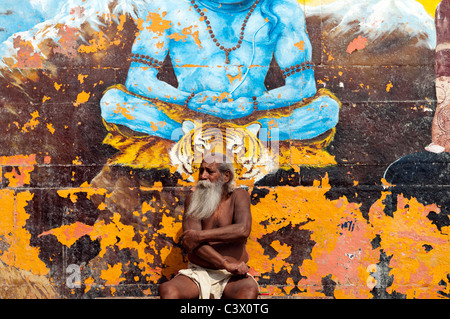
[220, 52]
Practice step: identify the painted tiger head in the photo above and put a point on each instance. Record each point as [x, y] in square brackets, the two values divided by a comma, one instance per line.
[240, 144]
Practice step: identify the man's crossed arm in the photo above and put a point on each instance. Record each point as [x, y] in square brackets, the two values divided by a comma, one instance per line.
[196, 240]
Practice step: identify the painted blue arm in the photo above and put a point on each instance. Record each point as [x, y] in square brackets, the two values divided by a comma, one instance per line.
[292, 49]
[150, 49]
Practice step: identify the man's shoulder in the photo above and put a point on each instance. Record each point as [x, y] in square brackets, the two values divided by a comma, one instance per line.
[241, 193]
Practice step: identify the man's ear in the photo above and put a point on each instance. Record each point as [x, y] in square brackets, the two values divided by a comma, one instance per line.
[226, 176]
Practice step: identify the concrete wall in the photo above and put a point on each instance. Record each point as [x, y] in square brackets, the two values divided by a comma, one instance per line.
[90, 210]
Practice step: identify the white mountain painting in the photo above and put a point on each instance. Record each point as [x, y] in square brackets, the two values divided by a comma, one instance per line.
[373, 32]
[384, 24]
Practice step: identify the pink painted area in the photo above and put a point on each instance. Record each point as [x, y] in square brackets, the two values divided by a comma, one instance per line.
[69, 234]
[26, 55]
[357, 44]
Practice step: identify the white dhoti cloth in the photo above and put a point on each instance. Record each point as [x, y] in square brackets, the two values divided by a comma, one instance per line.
[211, 282]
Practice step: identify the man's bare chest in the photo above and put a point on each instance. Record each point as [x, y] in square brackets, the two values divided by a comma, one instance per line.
[223, 216]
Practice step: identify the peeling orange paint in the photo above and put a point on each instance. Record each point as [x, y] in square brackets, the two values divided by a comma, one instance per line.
[99, 43]
[184, 35]
[389, 86]
[77, 161]
[82, 97]
[122, 19]
[84, 188]
[193, 66]
[284, 252]
[31, 125]
[81, 77]
[15, 236]
[222, 96]
[50, 128]
[69, 234]
[170, 227]
[236, 77]
[177, 37]
[158, 25]
[18, 160]
[300, 45]
[112, 275]
[308, 207]
[123, 111]
[19, 176]
[404, 236]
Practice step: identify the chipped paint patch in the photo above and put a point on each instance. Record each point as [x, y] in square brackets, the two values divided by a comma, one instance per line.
[67, 41]
[17, 251]
[389, 86]
[358, 43]
[82, 97]
[124, 111]
[405, 237]
[188, 31]
[69, 234]
[112, 275]
[31, 124]
[158, 25]
[100, 42]
[26, 55]
[300, 45]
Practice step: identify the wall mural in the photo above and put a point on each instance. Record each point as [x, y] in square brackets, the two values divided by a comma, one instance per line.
[334, 113]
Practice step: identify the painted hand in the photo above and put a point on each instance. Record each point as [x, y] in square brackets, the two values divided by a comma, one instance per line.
[240, 107]
[221, 105]
[204, 98]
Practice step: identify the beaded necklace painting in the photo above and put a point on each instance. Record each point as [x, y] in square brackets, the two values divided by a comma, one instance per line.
[213, 36]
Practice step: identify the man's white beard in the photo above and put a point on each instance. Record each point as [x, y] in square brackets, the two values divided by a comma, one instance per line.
[205, 199]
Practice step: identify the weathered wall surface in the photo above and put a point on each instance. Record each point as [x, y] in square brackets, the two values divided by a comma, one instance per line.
[90, 209]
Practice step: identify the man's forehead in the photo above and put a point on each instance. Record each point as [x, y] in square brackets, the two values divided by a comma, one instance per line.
[213, 159]
[210, 164]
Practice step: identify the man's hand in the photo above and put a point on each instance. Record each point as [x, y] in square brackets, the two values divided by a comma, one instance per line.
[236, 268]
[191, 239]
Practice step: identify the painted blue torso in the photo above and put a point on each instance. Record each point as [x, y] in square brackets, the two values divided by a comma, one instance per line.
[208, 70]
[275, 29]
[198, 63]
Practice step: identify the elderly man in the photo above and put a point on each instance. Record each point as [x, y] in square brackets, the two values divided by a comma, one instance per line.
[216, 224]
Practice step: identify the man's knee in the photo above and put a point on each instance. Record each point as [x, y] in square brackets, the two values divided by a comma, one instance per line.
[249, 291]
[168, 291]
[242, 289]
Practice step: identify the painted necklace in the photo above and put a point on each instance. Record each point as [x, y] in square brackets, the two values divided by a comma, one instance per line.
[213, 36]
